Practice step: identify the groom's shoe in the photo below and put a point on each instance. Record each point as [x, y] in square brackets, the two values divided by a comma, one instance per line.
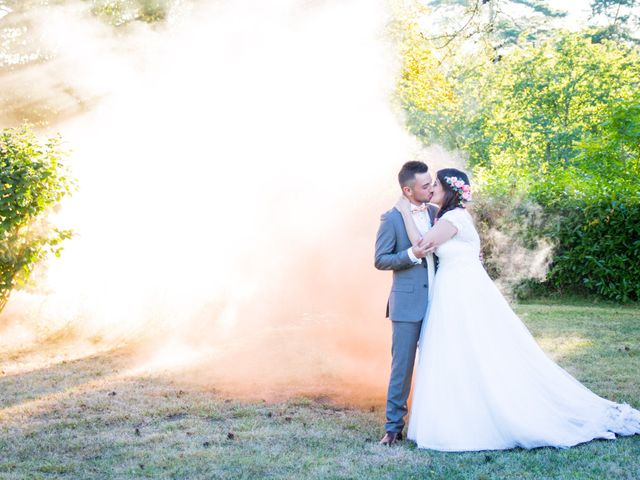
[390, 438]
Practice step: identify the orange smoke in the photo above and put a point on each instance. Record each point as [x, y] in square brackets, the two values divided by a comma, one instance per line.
[232, 171]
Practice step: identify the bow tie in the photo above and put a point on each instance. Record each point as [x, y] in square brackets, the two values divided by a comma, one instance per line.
[417, 209]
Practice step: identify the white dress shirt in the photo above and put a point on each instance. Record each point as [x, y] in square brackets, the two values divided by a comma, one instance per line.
[423, 223]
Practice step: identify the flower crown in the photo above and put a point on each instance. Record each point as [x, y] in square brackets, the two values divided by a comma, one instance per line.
[462, 189]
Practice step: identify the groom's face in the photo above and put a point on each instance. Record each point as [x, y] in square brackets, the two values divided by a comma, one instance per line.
[421, 190]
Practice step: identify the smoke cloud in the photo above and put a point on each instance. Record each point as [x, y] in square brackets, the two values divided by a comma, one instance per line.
[232, 166]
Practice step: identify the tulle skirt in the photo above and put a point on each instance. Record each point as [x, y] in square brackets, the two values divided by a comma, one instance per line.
[483, 383]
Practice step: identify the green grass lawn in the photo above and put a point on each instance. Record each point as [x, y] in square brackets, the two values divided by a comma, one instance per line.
[81, 419]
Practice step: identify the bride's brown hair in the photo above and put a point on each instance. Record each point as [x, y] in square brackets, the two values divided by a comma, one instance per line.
[452, 198]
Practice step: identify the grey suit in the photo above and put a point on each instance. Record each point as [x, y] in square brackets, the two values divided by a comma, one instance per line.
[406, 309]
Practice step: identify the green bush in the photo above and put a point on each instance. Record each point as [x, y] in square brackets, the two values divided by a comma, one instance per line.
[32, 181]
[598, 247]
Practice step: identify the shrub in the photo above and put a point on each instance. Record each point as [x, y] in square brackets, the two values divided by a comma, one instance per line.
[598, 247]
[32, 181]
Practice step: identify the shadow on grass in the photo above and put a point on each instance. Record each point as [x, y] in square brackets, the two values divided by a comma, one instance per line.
[83, 419]
[153, 428]
[39, 382]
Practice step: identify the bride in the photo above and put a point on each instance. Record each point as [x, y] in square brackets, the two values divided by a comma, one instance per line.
[482, 381]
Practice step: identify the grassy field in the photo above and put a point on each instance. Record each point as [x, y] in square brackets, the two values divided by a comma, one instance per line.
[83, 419]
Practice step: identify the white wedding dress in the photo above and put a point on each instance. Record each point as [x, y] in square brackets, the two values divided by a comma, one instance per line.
[482, 382]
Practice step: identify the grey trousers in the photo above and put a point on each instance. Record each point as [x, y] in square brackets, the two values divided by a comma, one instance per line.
[403, 354]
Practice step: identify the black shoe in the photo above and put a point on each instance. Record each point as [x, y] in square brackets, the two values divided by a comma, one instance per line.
[390, 438]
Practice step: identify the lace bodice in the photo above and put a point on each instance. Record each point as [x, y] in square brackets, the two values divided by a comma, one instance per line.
[464, 245]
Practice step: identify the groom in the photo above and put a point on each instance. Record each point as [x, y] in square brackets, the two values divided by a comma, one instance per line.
[413, 268]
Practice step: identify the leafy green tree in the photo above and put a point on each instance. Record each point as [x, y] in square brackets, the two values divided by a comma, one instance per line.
[559, 125]
[498, 24]
[622, 20]
[32, 181]
[537, 108]
[552, 134]
[422, 88]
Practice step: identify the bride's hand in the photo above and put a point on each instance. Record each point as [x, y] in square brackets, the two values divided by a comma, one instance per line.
[403, 204]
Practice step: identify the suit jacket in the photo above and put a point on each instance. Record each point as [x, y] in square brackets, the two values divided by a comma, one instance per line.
[409, 295]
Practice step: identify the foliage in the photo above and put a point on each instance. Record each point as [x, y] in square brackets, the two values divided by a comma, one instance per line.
[32, 181]
[622, 20]
[496, 24]
[422, 88]
[598, 250]
[33, 87]
[121, 12]
[555, 125]
[541, 7]
[540, 105]
[514, 233]
[561, 126]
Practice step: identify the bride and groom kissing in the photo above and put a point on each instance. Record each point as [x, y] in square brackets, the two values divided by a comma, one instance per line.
[482, 382]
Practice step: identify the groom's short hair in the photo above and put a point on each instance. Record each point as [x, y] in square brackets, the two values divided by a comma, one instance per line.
[408, 172]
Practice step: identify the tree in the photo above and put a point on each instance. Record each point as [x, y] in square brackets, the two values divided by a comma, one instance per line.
[551, 133]
[539, 104]
[422, 89]
[495, 24]
[621, 20]
[558, 125]
[32, 182]
[32, 89]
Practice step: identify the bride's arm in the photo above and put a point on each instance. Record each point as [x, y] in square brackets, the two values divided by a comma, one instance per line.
[440, 233]
[436, 236]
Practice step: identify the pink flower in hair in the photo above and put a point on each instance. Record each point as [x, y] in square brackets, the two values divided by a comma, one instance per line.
[461, 188]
